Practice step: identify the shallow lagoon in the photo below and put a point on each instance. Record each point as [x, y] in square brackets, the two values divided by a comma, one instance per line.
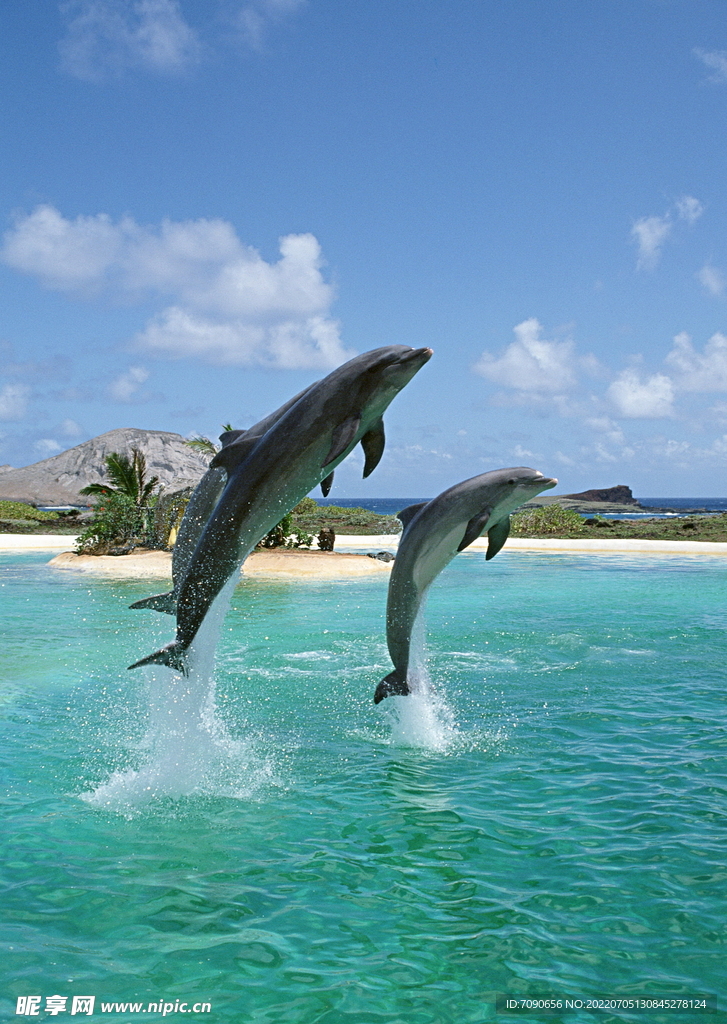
[554, 824]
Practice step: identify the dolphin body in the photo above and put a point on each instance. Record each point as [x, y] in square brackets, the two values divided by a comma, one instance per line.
[434, 532]
[268, 478]
[203, 502]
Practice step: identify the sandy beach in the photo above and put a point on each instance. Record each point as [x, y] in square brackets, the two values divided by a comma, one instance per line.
[294, 565]
[349, 559]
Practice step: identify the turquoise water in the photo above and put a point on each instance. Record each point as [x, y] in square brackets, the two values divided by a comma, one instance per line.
[552, 824]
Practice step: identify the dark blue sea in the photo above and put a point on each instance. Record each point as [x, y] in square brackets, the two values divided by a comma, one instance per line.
[390, 506]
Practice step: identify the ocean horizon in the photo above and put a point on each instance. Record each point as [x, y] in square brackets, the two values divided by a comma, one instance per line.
[390, 506]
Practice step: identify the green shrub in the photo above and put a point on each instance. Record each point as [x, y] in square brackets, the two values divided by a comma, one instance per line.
[550, 520]
[19, 510]
[118, 522]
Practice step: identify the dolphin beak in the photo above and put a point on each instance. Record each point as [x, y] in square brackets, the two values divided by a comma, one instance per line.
[422, 355]
[548, 482]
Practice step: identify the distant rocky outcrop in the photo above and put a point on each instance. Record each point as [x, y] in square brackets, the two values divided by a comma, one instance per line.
[593, 502]
[58, 480]
[621, 495]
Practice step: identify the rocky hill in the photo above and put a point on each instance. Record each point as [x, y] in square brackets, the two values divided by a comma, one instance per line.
[58, 480]
[620, 494]
[592, 502]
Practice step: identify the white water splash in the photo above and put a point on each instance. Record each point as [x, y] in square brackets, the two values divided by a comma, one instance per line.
[188, 748]
[423, 718]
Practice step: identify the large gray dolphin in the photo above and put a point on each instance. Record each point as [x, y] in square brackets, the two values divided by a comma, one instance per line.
[264, 483]
[203, 502]
[434, 532]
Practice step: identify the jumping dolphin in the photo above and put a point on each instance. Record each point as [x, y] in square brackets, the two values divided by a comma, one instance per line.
[434, 532]
[203, 502]
[299, 451]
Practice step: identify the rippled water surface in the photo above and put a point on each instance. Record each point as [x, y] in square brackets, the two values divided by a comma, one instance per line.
[552, 821]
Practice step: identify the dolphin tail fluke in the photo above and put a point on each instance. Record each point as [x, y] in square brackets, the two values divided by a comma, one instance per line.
[159, 602]
[391, 686]
[173, 656]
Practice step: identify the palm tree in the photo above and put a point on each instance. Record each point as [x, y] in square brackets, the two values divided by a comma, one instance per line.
[128, 477]
[204, 445]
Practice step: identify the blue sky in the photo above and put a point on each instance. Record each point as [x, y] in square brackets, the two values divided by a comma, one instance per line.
[207, 206]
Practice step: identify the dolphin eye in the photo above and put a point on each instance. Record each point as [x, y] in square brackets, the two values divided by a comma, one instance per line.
[511, 480]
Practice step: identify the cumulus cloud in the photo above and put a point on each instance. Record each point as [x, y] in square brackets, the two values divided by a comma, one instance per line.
[689, 209]
[650, 233]
[530, 363]
[69, 428]
[13, 401]
[107, 37]
[717, 61]
[634, 399]
[47, 446]
[696, 371]
[606, 426]
[126, 385]
[257, 17]
[228, 304]
[712, 280]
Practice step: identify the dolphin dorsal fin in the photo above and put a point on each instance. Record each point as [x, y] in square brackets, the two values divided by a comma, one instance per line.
[407, 514]
[373, 443]
[497, 537]
[475, 528]
[326, 485]
[343, 436]
[234, 453]
[229, 436]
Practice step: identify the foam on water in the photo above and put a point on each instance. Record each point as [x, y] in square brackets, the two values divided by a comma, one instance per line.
[423, 718]
[187, 747]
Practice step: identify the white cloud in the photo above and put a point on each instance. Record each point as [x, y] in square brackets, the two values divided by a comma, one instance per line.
[126, 385]
[106, 37]
[13, 401]
[256, 17]
[529, 363]
[228, 304]
[46, 447]
[689, 209]
[699, 372]
[65, 254]
[606, 426]
[69, 428]
[712, 280]
[633, 399]
[715, 59]
[650, 233]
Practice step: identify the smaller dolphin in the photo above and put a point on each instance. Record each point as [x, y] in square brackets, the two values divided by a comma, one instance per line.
[204, 501]
[434, 532]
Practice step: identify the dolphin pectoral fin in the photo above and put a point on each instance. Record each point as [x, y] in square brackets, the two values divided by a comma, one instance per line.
[475, 528]
[343, 436]
[326, 485]
[173, 656]
[373, 443]
[406, 515]
[159, 602]
[391, 686]
[497, 537]
[234, 453]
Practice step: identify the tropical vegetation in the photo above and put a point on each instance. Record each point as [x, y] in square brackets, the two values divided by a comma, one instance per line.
[121, 517]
